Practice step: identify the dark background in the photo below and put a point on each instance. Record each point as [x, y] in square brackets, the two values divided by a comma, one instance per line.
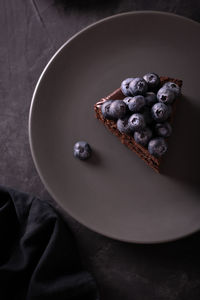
[30, 32]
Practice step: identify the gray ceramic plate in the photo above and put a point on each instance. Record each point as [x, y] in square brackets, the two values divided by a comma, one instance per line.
[116, 193]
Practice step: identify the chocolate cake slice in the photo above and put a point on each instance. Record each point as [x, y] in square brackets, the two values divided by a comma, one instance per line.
[126, 139]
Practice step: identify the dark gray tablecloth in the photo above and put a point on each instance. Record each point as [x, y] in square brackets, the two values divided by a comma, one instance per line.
[30, 32]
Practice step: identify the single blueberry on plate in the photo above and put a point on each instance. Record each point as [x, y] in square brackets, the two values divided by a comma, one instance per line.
[152, 79]
[160, 112]
[163, 129]
[165, 95]
[105, 109]
[125, 86]
[136, 122]
[142, 137]
[118, 109]
[127, 100]
[82, 150]
[138, 86]
[173, 86]
[150, 98]
[157, 147]
[123, 125]
[147, 115]
[136, 103]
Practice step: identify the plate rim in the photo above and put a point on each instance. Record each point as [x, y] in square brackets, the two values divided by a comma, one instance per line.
[30, 138]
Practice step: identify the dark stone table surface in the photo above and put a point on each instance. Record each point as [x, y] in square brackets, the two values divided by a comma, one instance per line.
[30, 32]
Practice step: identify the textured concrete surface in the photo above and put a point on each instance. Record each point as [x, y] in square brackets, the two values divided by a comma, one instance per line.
[31, 31]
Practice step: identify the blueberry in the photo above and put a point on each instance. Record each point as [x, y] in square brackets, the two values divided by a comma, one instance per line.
[118, 109]
[163, 129]
[127, 100]
[160, 112]
[152, 79]
[147, 115]
[142, 137]
[138, 86]
[136, 103]
[157, 147]
[125, 86]
[136, 122]
[150, 98]
[82, 150]
[173, 86]
[165, 95]
[105, 109]
[123, 125]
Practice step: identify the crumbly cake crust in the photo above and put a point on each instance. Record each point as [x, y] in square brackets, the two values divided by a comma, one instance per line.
[128, 140]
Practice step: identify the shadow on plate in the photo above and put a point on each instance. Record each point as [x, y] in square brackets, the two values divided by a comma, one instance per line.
[182, 248]
[183, 159]
[95, 159]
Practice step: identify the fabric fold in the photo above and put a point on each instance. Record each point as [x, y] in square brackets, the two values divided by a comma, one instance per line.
[38, 254]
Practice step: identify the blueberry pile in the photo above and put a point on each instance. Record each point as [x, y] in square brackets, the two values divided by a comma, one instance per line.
[145, 111]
